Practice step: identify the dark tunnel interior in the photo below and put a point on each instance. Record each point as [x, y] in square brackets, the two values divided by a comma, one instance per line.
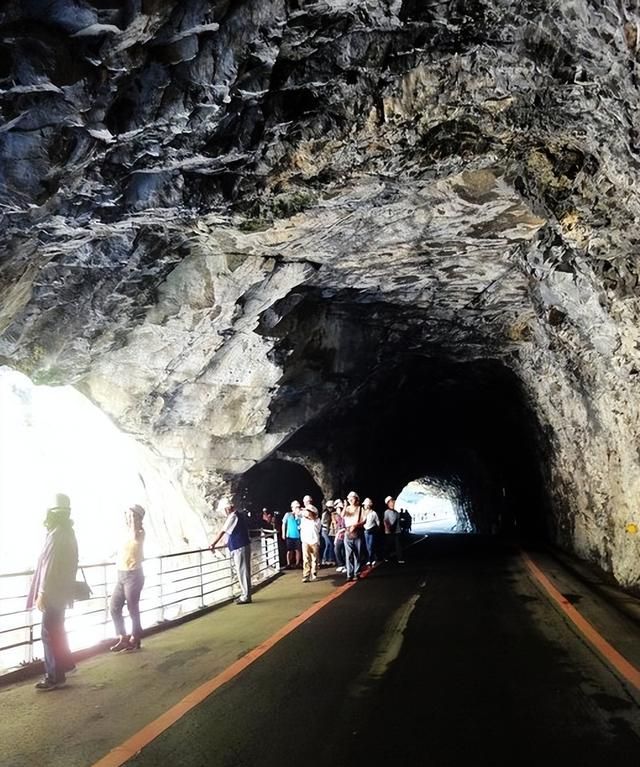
[273, 484]
[464, 425]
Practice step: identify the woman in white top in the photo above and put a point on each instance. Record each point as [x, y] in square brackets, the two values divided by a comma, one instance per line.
[371, 526]
[130, 582]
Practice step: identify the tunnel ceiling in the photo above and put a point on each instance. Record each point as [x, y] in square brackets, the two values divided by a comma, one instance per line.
[221, 219]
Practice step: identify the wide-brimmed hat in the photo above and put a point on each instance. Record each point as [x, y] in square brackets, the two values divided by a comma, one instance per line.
[61, 502]
[389, 498]
[329, 504]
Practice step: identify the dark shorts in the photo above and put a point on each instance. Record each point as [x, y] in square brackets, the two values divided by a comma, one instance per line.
[293, 544]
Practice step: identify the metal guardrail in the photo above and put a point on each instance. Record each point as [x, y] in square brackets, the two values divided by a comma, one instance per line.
[175, 585]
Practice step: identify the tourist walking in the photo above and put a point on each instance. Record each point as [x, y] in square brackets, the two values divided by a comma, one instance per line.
[52, 590]
[310, 540]
[338, 540]
[327, 530]
[371, 526]
[391, 521]
[236, 530]
[353, 517]
[130, 582]
[291, 535]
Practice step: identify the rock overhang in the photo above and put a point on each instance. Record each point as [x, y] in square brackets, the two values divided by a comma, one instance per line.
[211, 213]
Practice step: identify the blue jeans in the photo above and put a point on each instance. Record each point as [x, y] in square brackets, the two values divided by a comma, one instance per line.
[128, 589]
[353, 555]
[370, 539]
[328, 553]
[57, 658]
[339, 551]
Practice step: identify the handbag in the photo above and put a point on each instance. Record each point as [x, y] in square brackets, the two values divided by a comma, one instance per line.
[354, 532]
[81, 589]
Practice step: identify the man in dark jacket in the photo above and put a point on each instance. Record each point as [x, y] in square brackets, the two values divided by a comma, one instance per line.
[51, 591]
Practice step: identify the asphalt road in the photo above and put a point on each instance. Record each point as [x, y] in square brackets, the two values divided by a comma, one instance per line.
[455, 658]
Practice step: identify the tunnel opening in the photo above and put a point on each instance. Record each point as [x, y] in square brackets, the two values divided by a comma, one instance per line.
[434, 507]
[273, 484]
[55, 440]
[465, 423]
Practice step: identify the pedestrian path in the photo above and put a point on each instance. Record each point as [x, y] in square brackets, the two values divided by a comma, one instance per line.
[113, 696]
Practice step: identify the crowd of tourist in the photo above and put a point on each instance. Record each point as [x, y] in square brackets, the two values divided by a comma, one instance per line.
[348, 534]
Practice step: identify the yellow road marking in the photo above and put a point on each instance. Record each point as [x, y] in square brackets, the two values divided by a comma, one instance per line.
[133, 745]
[626, 669]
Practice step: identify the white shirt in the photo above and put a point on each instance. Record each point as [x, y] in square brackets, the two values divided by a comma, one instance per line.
[230, 523]
[372, 520]
[309, 530]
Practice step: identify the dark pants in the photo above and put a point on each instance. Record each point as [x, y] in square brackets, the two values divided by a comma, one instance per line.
[57, 658]
[128, 589]
[393, 544]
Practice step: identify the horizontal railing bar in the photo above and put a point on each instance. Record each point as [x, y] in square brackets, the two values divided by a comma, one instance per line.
[195, 585]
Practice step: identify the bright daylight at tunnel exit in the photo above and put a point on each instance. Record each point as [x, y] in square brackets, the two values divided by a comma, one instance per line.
[319, 328]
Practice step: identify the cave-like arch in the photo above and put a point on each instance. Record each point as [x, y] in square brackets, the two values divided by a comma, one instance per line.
[463, 422]
[274, 483]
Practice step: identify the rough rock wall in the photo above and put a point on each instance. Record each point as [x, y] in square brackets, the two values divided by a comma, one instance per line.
[458, 178]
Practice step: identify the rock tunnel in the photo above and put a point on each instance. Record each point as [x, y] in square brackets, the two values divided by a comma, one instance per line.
[339, 243]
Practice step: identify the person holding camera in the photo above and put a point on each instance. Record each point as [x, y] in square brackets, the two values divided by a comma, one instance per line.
[130, 582]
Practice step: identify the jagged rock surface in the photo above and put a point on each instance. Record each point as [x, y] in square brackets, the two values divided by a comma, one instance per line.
[225, 220]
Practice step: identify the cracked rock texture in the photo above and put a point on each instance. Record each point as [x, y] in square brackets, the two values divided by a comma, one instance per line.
[249, 229]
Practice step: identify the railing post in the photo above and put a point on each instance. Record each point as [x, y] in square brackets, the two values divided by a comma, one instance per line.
[29, 658]
[161, 597]
[201, 579]
[105, 584]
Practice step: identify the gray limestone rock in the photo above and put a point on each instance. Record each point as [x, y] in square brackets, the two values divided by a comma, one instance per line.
[227, 222]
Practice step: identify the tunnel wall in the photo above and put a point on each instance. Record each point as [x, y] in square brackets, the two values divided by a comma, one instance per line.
[580, 369]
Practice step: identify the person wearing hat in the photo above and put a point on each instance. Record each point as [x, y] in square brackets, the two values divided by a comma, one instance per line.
[354, 517]
[371, 525]
[236, 530]
[391, 521]
[52, 589]
[130, 582]
[291, 535]
[328, 532]
[310, 540]
[338, 540]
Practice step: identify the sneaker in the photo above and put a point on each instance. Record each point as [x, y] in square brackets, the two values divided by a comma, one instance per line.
[48, 684]
[305, 579]
[121, 644]
[373, 564]
[241, 601]
[314, 578]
